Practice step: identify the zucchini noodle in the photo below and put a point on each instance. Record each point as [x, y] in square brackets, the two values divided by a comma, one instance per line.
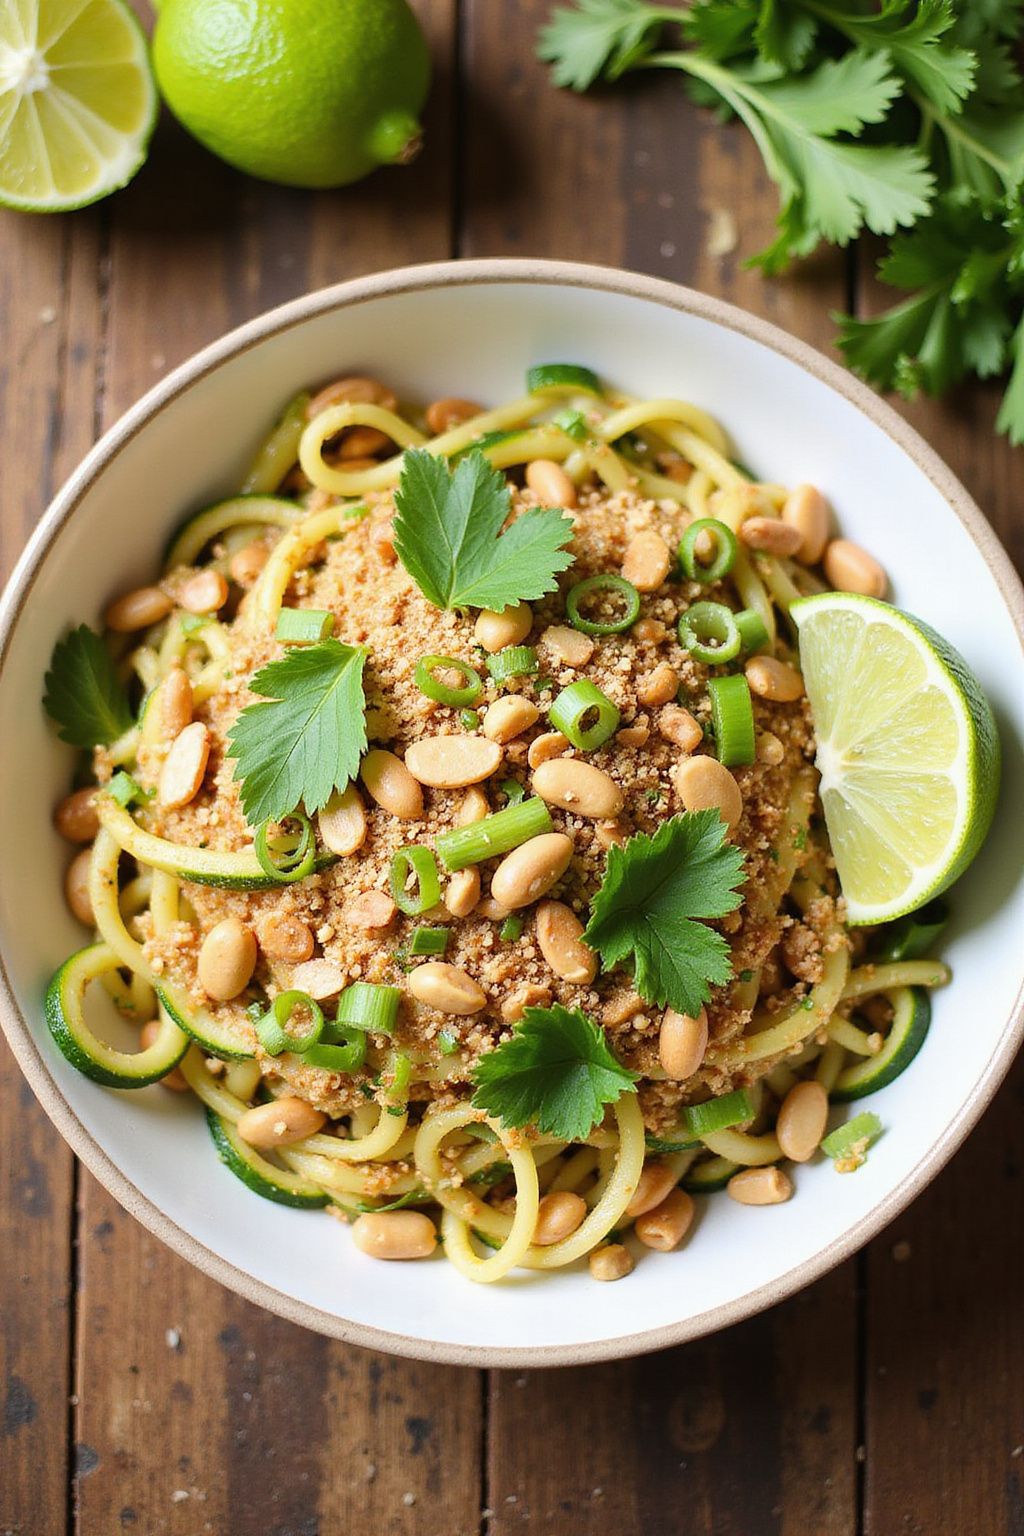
[390, 1094]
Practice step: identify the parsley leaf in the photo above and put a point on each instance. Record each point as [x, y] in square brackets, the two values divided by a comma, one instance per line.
[556, 1072]
[448, 535]
[305, 739]
[653, 891]
[83, 693]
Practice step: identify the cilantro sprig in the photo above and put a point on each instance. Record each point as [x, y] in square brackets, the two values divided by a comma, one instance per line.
[904, 117]
[305, 737]
[653, 903]
[557, 1072]
[448, 535]
[83, 692]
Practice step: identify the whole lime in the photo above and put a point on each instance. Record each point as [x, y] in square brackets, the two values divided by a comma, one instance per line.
[311, 93]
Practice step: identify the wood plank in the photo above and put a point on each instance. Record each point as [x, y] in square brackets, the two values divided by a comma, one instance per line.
[49, 322]
[197, 1411]
[945, 1389]
[753, 1431]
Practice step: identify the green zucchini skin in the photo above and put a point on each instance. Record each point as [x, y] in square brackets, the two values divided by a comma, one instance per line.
[201, 1027]
[259, 1175]
[191, 537]
[62, 1009]
[720, 1171]
[908, 1033]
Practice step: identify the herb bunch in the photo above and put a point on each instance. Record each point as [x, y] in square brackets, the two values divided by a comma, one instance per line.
[904, 117]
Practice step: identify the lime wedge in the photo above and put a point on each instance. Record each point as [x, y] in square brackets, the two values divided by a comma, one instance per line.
[907, 751]
[77, 102]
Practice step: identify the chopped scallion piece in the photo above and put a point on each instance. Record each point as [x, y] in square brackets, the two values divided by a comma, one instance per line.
[608, 582]
[369, 1006]
[287, 857]
[126, 790]
[710, 633]
[192, 623]
[513, 661]
[585, 716]
[512, 790]
[469, 719]
[573, 424]
[428, 941]
[722, 560]
[344, 1052]
[754, 636]
[420, 862]
[717, 1114]
[848, 1144]
[270, 1026]
[447, 1042]
[494, 835]
[732, 717]
[511, 929]
[398, 1076]
[427, 683]
[304, 626]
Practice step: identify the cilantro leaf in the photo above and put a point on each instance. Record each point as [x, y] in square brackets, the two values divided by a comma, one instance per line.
[448, 535]
[917, 35]
[83, 693]
[654, 890]
[557, 1072]
[1011, 412]
[597, 37]
[305, 739]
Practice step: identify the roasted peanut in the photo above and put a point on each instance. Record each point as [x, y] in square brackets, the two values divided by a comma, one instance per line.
[173, 704]
[703, 783]
[204, 592]
[76, 888]
[184, 766]
[579, 787]
[138, 610]
[558, 1216]
[682, 1042]
[247, 563]
[801, 1120]
[472, 807]
[657, 1179]
[452, 762]
[75, 817]
[227, 959]
[770, 535]
[391, 784]
[371, 911]
[559, 934]
[318, 978]
[443, 415]
[550, 483]
[529, 871]
[279, 1123]
[647, 561]
[509, 716]
[543, 748]
[760, 1186]
[462, 892]
[851, 569]
[659, 686]
[612, 1261]
[772, 679]
[679, 727]
[285, 938]
[570, 647]
[395, 1234]
[342, 822]
[806, 510]
[446, 988]
[357, 390]
[665, 1227]
[494, 631]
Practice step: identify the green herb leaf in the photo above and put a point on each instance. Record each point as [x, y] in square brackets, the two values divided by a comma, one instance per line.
[597, 37]
[556, 1072]
[448, 535]
[83, 693]
[306, 740]
[654, 893]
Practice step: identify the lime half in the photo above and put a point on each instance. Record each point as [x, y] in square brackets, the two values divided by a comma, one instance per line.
[907, 751]
[77, 102]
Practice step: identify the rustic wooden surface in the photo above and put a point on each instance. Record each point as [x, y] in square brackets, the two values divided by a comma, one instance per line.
[137, 1395]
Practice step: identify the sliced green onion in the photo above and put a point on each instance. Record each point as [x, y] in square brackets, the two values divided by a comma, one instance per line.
[399, 1074]
[345, 1052]
[732, 718]
[304, 626]
[754, 637]
[577, 704]
[512, 790]
[710, 633]
[192, 623]
[573, 424]
[912, 936]
[511, 929]
[420, 862]
[561, 379]
[369, 1006]
[513, 661]
[448, 1042]
[725, 551]
[270, 1027]
[427, 683]
[283, 863]
[854, 1138]
[469, 719]
[428, 941]
[494, 835]
[603, 583]
[126, 790]
[717, 1114]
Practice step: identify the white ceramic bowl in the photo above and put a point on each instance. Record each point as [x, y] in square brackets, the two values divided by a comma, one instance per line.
[472, 329]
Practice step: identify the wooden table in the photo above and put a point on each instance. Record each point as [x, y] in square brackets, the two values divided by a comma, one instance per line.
[137, 1395]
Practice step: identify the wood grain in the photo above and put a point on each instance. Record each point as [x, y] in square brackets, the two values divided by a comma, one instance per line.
[753, 1431]
[49, 325]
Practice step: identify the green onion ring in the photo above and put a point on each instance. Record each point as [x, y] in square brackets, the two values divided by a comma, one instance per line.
[710, 633]
[270, 1029]
[603, 583]
[569, 711]
[420, 862]
[725, 551]
[288, 866]
[457, 698]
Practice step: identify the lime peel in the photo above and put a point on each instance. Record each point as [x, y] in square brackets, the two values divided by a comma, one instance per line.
[908, 751]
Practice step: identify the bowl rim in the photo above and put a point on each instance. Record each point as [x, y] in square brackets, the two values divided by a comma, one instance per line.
[413, 279]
